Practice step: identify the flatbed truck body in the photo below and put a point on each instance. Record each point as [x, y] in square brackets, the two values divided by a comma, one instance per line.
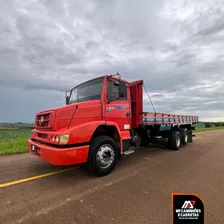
[103, 119]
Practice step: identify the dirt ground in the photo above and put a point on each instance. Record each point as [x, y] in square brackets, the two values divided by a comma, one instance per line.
[138, 191]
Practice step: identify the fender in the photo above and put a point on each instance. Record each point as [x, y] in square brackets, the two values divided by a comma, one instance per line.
[84, 132]
[123, 135]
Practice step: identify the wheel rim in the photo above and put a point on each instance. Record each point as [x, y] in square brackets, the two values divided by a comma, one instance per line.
[186, 138]
[105, 156]
[178, 141]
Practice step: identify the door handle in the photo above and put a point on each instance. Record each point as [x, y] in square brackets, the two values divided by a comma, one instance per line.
[128, 114]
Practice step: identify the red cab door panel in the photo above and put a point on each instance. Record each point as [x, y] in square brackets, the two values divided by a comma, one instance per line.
[118, 109]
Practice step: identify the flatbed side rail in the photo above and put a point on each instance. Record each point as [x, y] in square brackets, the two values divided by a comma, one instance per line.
[162, 118]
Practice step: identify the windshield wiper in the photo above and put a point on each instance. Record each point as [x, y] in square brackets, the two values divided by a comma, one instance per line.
[72, 115]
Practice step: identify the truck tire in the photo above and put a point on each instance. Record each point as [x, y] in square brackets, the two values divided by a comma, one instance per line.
[190, 139]
[103, 156]
[184, 136]
[174, 141]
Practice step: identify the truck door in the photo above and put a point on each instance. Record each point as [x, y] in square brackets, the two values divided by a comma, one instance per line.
[118, 110]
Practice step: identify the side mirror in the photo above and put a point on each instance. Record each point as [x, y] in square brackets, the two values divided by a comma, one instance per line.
[109, 91]
[67, 100]
[122, 89]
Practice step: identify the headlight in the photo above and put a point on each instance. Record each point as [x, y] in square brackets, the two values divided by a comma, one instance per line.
[52, 138]
[64, 139]
[57, 138]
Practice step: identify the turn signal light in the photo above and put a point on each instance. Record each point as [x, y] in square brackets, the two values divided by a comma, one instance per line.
[64, 139]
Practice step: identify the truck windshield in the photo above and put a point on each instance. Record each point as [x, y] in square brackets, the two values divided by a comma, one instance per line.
[90, 90]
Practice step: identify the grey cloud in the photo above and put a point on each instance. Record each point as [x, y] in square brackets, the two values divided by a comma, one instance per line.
[211, 20]
[51, 46]
[184, 57]
[214, 28]
[203, 98]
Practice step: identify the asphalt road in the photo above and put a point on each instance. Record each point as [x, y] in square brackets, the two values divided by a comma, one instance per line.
[138, 191]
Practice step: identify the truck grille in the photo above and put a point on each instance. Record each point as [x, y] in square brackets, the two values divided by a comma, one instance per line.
[44, 120]
[40, 135]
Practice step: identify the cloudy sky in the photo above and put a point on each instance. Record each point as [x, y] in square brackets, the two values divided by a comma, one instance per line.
[49, 46]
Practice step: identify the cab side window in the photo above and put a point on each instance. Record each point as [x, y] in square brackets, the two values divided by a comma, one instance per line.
[113, 90]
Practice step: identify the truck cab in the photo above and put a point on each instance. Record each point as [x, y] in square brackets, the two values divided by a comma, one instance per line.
[96, 111]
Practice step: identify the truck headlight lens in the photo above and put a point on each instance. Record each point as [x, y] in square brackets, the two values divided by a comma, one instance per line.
[52, 138]
[64, 139]
[57, 138]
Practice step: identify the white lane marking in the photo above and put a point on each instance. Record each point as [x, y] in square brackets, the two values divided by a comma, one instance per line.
[78, 196]
[207, 134]
[196, 138]
[154, 160]
[148, 158]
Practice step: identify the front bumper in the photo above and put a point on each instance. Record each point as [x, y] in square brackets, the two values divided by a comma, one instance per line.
[59, 156]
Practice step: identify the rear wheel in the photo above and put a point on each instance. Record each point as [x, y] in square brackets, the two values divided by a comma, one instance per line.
[184, 136]
[174, 141]
[103, 156]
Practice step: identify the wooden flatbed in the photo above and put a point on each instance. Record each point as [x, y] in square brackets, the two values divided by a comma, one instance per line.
[150, 118]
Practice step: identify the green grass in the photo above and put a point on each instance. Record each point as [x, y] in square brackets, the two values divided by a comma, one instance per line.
[13, 141]
[208, 129]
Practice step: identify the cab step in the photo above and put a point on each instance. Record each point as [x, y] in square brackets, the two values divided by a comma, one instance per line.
[128, 152]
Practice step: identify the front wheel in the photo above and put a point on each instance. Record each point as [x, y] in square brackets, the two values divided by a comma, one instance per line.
[103, 156]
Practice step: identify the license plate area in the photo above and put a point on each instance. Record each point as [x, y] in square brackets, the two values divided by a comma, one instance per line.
[34, 148]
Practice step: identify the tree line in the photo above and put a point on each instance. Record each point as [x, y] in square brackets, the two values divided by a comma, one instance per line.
[214, 124]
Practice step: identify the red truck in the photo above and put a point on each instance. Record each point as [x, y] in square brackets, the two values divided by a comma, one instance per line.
[102, 120]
